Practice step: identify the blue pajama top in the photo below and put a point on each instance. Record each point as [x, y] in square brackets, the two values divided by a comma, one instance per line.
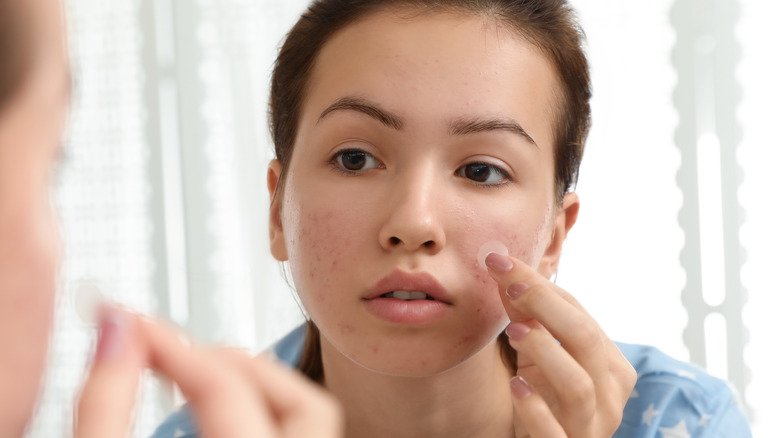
[671, 399]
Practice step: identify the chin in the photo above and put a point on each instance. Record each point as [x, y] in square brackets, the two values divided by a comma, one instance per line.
[417, 356]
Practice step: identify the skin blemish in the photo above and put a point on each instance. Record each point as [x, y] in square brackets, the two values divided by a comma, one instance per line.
[347, 328]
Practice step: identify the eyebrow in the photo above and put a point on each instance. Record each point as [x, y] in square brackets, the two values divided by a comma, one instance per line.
[469, 126]
[458, 127]
[364, 106]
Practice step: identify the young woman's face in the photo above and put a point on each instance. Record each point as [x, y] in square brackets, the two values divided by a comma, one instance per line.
[420, 139]
[31, 124]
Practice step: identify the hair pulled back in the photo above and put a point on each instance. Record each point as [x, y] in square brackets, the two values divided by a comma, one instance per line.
[549, 25]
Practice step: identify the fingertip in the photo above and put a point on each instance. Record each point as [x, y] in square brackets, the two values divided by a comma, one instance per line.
[520, 388]
[516, 289]
[491, 246]
[114, 332]
[498, 263]
[517, 330]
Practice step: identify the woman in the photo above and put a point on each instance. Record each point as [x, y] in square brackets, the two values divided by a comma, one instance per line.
[408, 135]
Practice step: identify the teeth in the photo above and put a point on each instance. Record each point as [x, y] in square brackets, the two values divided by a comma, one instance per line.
[407, 295]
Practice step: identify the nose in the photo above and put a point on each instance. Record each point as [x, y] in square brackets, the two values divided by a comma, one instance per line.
[414, 217]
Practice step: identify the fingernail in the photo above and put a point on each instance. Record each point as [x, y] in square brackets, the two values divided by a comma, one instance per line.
[498, 262]
[487, 248]
[112, 340]
[517, 330]
[520, 388]
[516, 289]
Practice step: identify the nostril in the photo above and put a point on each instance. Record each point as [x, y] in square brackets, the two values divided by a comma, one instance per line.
[429, 243]
[394, 240]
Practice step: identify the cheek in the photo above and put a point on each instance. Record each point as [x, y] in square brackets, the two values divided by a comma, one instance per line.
[522, 237]
[321, 247]
[524, 233]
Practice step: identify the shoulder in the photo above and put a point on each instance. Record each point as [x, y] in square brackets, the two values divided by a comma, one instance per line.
[177, 425]
[677, 399]
[289, 349]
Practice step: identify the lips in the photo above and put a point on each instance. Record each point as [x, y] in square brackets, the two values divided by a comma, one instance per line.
[409, 286]
[408, 298]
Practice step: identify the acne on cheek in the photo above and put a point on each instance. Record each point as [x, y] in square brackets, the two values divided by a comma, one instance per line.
[346, 327]
[323, 244]
[489, 315]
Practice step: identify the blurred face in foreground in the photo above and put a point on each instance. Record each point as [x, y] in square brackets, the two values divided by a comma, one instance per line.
[31, 123]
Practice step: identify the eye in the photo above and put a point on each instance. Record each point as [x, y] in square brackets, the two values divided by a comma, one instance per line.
[354, 160]
[483, 173]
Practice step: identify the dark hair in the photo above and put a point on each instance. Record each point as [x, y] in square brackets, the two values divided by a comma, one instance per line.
[550, 25]
[14, 47]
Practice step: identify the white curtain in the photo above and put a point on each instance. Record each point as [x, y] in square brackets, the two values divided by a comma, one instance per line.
[163, 200]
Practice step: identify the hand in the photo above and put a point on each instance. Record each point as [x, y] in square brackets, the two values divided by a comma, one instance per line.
[573, 381]
[230, 393]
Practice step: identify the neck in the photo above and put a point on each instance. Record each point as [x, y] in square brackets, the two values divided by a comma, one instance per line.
[470, 400]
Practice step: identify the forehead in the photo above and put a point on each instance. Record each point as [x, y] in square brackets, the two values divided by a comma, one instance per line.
[437, 64]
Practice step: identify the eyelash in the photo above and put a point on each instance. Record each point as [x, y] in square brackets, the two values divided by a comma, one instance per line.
[506, 178]
[336, 164]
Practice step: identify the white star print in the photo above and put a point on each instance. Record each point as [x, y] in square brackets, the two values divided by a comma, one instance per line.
[704, 419]
[679, 431]
[649, 413]
[179, 433]
[634, 394]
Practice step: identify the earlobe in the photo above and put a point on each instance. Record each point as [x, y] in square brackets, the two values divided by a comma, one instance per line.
[565, 218]
[275, 230]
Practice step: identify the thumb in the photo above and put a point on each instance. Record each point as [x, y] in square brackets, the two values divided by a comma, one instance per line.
[107, 399]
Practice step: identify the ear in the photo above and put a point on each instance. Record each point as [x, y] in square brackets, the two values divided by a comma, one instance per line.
[565, 218]
[275, 230]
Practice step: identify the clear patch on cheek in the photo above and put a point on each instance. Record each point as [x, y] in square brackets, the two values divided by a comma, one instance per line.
[488, 247]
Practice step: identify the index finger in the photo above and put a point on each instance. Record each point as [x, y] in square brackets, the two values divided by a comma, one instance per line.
[107, 398]
[514, 277]
[302, 407]
[529, 294]
[220, 393]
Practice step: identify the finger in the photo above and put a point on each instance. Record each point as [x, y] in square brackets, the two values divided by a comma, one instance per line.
[304, 409]
[298, 406]
[532, 415]
[107, 399]
[529, 294]
[221, 396]
[574, 388]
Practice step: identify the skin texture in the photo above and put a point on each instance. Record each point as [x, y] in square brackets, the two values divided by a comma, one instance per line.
[30, 126]
[409, 103]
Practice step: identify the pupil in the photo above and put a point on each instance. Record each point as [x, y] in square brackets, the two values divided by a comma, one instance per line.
[354, 160]
[478, 172]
